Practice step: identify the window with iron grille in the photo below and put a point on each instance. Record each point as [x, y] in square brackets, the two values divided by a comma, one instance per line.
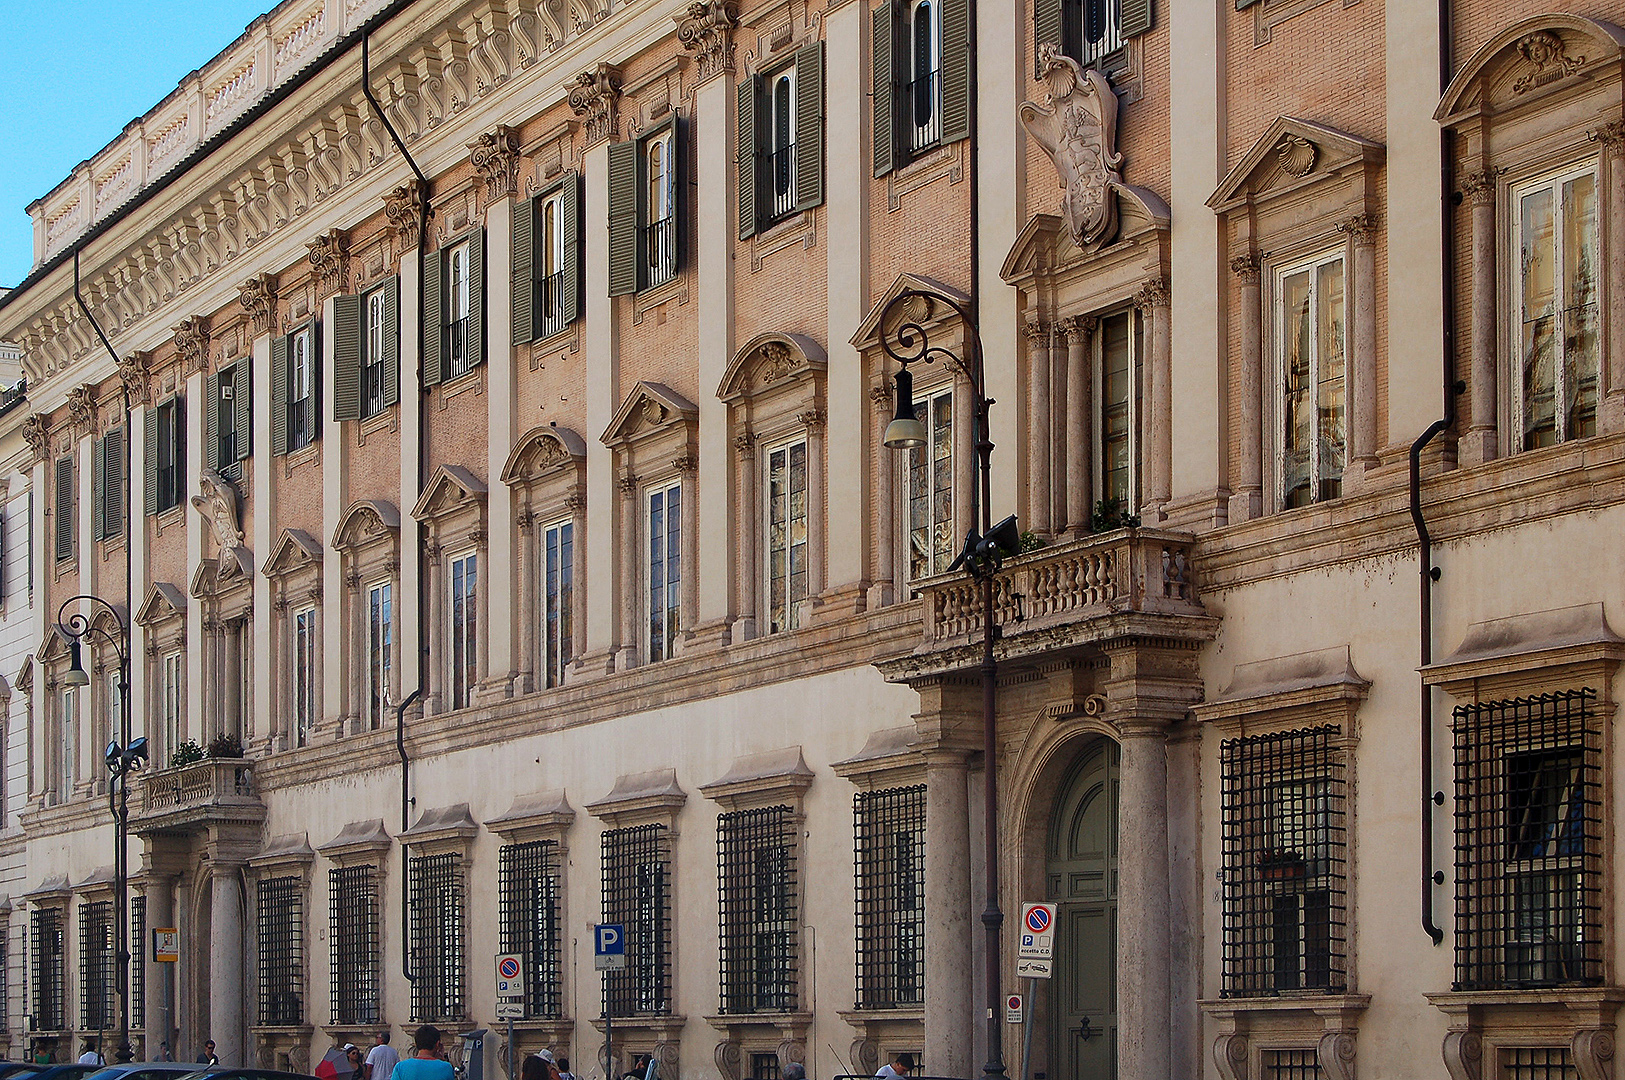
[889, 834]
[1528, 842]
[5, 980]
[1285, 856]
[756, 885]
[1540, 1063]
[138, 963]
[280, 904]
[636, 894]
[764, 1067]
[437, 939]
[353, 920]
[49, 1014]
[1291, 1065]
[96, 1010]
[528, 879]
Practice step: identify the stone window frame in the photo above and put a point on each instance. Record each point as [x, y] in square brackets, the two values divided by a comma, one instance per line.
[447, 830]
[282, 856]
[54, 894]
[546, 475]
[453, 508]
[1281, 694]
[1516, 657]
[24, 684]
[163, 615]
[368, 540]
[775, 389]
[358, 844]
[545, 816]
[295, 573]
[223, 588]
[1302, 189]
[654, 439]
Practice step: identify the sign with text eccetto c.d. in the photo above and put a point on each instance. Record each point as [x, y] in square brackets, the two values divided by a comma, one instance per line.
[609, 947]
[166, 945]
[1036, 940]
[510, 975]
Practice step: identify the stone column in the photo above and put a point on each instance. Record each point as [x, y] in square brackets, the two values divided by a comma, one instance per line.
[226, 962]
[688, 540]
[1247, 502]
[233, 688]
[1361, 376]
[948, 924]
[282, 722]
[160, 988]
[434, 699]
[1079, 470]
[1061, 432]
[883, 590]
[964, 452]
[745, 542]
[360, 617]
[1038, 428]
[531, 602]
[209, 683]
[1142, 928]
[817, 532]
[1153, 301]
[631, 531]
[576, 504]
[1611, 395]
[1480, 442]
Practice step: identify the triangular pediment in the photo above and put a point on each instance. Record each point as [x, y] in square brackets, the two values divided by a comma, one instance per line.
[214, 576]
[1046, 245]
[449, 487]
[649, 407]
[768, 360]
[868, 330]
[53, 647]
[293, 549]
[25, 676]
[366, 521]
[1291, 151]
[1526, 59]
[542, 449]
[164, 601]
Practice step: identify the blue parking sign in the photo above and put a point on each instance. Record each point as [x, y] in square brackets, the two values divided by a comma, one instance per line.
[609, 947]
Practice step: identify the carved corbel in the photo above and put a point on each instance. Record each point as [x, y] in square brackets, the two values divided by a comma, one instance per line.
[404, 209]
[37, 434]
[1076, 125]
[596, 98]
[1230, 1055]
[728, 1057]
[707, 31]
[133, 373]
[192, 344]
[495, 156]
[1593, 1052]
[1336, 1055]
[330, 258]
[1463, 1054]
[258, 295]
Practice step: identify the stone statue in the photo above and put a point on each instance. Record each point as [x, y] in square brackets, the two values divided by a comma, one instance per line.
[1077, 127]
[217, 502]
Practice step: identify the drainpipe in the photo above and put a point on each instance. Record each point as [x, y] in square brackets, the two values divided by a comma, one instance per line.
[406, 823]
[1452, 387]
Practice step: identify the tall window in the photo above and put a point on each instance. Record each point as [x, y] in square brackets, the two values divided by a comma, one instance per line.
[50, 1012]
[1529, 820]
[171, 431]
[1091, 29]
[756, 870]
[636, 894]
[301, 388]
[464, 629]
[781, 133]
[528, 880]
[551, 251]
[890, 828]
[280, 905]
[69, 775]
[226, 435]
[138, 967]
[786, 533]
[1118, 412]
[96, 960]
[437, 939]
[924, 109]
[665, 523]
[1556, 288]
[304, 675]
[173, 691]
[65, 502]
[1283, 863]
[459, 349]
[380, 623]
[352, 911]
[1314, 416]
[660, 208]
[375, 343]
[931, 540]
[558, 556]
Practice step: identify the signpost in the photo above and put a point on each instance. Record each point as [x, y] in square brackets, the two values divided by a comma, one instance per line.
[609, 954]
[510, 972]
[166, 945]
[1035, 955]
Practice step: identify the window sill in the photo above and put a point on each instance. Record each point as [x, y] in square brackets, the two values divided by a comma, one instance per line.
[472, 379]
[308, 454]
[385, 419]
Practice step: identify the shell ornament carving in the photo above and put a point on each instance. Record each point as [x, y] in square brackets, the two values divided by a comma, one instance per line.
[1295, 154]
[1077, 127]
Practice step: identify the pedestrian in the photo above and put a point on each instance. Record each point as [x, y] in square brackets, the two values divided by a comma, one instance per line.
[352, 1054]
[795, 1071]
[42, 1056]
[91, 1055]
[546, 1057]
[381, 1059]
[534, 1068]
[564, 1069]
[163, 1052]
[209, 1057]
[897, 1069]
[640, 1063]
[427, 1061]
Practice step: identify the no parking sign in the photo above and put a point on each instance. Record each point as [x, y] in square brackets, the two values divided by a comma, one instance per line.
[1037, 941]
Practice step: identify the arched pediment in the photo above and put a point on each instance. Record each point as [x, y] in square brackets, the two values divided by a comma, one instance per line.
[294, 548]
[1290, 152]
[366, 521]
[768, 360]
[869, 330]
[164, 601]
[1528, 57]
[542, 449]
[450, 488]
[111, 623]
[650, 407]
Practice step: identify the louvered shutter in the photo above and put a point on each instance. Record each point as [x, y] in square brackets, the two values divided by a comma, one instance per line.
[346, 357]
[112, 500]
[211, 423]
[810, 125]
[1046, 26]
[149, 464]
[623, 218]
[178, 418]
[1135, 18]
[242, 404]
[392, 340]
[476, 299]
[98, 527]
[679, 194]
[956, 87]
[523, 271]
[750, 145]
[883, 94]
[279, 396]
[570, 282]
[434, 320]
[64, 508]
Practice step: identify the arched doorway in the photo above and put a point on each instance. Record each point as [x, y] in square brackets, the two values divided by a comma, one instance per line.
[1081, 877]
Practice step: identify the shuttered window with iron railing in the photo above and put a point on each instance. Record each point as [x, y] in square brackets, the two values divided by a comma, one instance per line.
[107, 485]
[295, 385]
[647, 181]
[1528, 787]
[46, 944]
[352, 905]
[227, 420]
[920, 78]
[547, 263]
[636, 864]
[437, 939]
[1093, 32]
[280, 910]
[781, 142]
[528, 883]
[367, 351]
[889, 839]
[1284, 863]
[165, 455]
[757, 894]
[454, 309]
[96, 966]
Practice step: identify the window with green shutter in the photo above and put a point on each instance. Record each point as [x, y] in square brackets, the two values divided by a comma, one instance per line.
[646, 185]
[226, 431]
[1093, 32]
[165, 465]
[454, 309]
[781, 141]
[107, 485]
[367, 351]
[547, 261]
[921, 78]
[63, 522]
[295, 378]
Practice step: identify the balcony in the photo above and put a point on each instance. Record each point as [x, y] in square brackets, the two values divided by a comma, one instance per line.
[207, 792]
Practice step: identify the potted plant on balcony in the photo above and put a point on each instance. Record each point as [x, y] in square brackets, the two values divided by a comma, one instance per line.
[187, 753]
[1110, 514]
[226, 745]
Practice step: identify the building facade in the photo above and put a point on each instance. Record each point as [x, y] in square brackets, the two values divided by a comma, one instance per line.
[485, 461]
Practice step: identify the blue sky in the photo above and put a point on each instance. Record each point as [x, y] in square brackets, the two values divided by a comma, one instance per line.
[71, 77]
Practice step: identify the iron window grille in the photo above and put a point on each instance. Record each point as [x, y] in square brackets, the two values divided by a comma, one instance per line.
[1540, 1063]
[528, 882]
[889, 834]
[96, 1011]
[1528, 842]
[756, 886]
[49, 1014]
[437, 939]
[1299, 1064]
[764, 1067]
[637, 895]
[550, 305]
[281, 910]
[353, 920]
[138, 965]
[1284, 863]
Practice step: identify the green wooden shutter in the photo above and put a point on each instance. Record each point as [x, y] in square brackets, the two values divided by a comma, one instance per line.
[392, 340]
[810, 125]
[149, 463]
[1135, 18]
[242, 404]
[1046, 26]
[750, 145]
[476, 299]
[112, 500]
[956, 88]
[64, 508]
[346, 357]
[885, 85]
[279, 395]
[679, 194]
[98, 527]
[623, 218]
[211, 423]
[523, 271]
[179, 419]
[570, 282]
[434, 320]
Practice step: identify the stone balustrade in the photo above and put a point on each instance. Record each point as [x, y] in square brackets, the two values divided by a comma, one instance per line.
[197, 789]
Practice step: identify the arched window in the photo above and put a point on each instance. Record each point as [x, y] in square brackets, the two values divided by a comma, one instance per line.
[925, 85]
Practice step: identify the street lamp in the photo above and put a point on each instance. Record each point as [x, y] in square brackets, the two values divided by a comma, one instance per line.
[984, 551]
[123, 755]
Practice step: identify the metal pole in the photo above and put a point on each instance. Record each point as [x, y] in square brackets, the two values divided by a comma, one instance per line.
[609, 1032]
[993, 916]
[1027, 1029]
[125, 1051]
[510, 1048]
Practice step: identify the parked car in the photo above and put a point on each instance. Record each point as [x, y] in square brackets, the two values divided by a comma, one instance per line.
[19, 1070]
[141, 1070]
[241, 1074]
[66, 1072]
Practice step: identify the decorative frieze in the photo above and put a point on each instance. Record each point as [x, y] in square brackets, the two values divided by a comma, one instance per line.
[404, 209]
[495, 156]
[258, 296]
[1077, 127]
[596, 99]
[330, 258]
[707, 31]
[192, 344]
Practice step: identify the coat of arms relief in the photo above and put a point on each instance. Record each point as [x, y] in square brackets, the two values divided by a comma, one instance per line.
[1077, 127]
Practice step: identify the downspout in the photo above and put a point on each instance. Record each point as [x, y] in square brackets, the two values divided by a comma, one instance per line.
[1452, 387]
[423, 430]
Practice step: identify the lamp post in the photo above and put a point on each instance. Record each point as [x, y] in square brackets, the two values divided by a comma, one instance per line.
[986, 546]
[123, 755]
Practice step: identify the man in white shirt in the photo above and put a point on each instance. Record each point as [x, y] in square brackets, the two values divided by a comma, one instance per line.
[91, 1056]
[381, 1059]
[897, 1069]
